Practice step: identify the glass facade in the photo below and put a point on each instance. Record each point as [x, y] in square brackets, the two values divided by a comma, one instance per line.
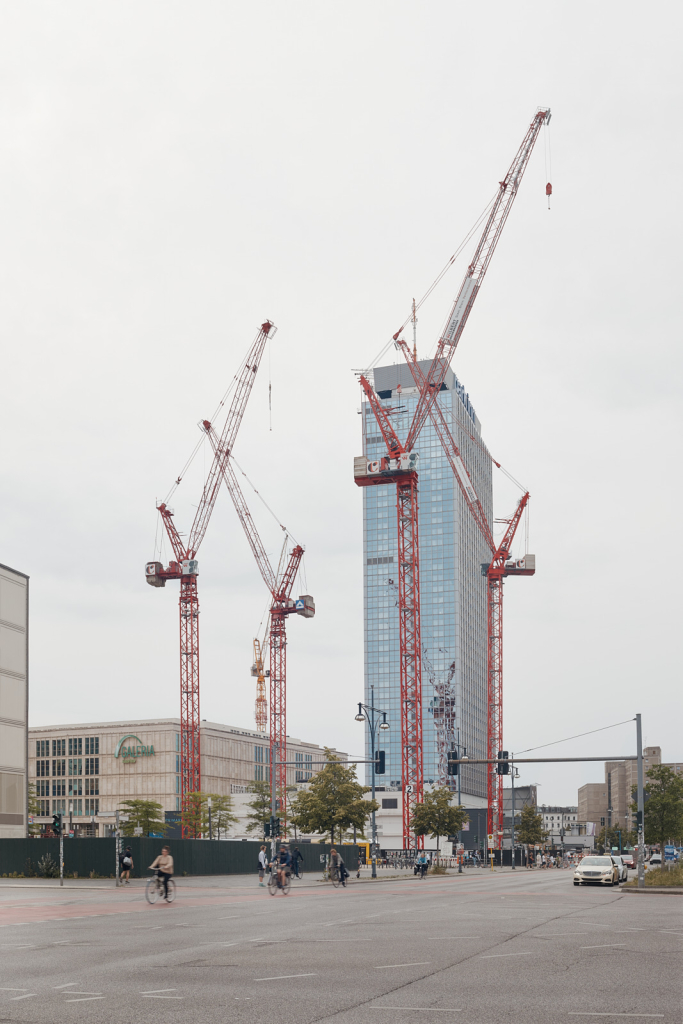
[453, 589]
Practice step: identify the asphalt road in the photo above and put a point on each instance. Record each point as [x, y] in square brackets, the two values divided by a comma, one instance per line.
[486, 948]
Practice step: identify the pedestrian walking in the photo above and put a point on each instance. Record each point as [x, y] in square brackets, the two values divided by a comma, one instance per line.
[125, 864]
[262, 865]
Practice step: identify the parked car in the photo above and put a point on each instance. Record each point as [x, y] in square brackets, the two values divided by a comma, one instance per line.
[623, 869]
[628, 860]
[596, 871]
[655, 861]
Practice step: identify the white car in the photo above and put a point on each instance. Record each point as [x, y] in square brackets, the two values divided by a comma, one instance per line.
[596, 871]
[623, 867]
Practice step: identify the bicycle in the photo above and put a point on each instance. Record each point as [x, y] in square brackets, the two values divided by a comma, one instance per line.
[298, 870]
[274, 883]
[155, 888]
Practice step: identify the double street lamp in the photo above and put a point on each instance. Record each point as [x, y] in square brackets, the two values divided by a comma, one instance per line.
[367, 713]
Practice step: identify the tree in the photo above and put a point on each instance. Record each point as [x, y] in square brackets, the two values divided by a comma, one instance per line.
[334, 802]
[33, 810]
[609, 837]
[191, 816]
[530, 831]
[144, 814]
[259, 815]
[437, 817]
[663, 805]
[221, 814]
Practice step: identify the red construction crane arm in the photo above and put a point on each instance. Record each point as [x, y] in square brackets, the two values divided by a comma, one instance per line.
[451, 451]
[503, 550]
[244, 515]
[245, 382]
[173, 535]
[476, 271]
[288, 577]
[394, 446]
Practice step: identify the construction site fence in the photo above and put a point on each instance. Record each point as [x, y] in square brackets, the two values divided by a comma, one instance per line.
[96, 858]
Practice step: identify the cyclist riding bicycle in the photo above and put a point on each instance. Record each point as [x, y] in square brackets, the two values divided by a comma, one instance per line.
[163, 865]
[422, 864]
[283, 860]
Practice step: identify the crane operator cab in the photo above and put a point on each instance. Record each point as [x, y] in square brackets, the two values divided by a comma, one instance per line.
[305, 605]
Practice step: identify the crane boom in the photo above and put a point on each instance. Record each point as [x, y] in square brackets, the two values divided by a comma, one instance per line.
[245, 382]
[462, 307]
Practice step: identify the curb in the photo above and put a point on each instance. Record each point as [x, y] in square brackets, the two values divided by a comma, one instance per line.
[657, 890]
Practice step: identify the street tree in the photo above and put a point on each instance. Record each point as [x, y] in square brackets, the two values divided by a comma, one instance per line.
[222, 816]
[334, 802]
[530, 831]
[609, 837]
[33, 810]
[436, 816]
[663, 805]
[144, 814]
[259, 813]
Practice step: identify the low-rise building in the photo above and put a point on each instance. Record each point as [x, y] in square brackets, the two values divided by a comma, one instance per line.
[87, 771]
[609, 803]
[13, 703]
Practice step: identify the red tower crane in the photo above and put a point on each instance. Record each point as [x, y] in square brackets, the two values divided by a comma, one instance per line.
[400, 466]
[185, 568]
[283, 605]
[500, 566]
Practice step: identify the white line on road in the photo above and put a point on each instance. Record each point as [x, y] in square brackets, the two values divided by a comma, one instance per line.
[416, 963]
[12, 989]
[157, 991]
[492, 956]
[604, 945]
[29, 995]
[281, 977]
[434, 1009]
[161, 997]
[69, 984]
[586, 1014]
[86, 999]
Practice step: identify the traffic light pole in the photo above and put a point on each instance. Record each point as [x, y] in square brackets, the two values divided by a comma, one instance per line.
[368, 712]
[273, 801]
[117, 840]
[61, 852]
[640, 805]
[512, 833]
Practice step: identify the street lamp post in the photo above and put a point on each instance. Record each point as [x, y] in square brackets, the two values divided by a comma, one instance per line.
[366, 713]
[515, 774]
[208, 804]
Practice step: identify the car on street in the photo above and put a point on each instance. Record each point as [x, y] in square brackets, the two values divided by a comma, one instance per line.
[596, 870]
[621, 864]
[655, 861]
[628, 860]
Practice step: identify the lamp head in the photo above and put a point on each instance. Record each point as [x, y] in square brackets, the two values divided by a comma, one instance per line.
[360, 717]
[384, 725]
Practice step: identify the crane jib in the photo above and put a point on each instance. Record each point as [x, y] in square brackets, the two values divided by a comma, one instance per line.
[461, 304]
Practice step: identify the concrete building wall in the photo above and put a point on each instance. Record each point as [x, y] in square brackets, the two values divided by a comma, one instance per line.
[13, 703]
[592, 803]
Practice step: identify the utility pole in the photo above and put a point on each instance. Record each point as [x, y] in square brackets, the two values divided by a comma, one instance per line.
[641, 805]
[512, 833]
[117, 848]
[61, 849]
[273, 799]
[459, 802]
[367, 713]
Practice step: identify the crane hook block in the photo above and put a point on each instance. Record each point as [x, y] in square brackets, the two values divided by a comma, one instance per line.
[549, 189]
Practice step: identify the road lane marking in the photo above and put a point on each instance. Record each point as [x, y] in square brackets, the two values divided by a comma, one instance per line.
[12, 989]
[161, 997]
[157, 991]
[69, 984]
[29, 995]
[415, 963]
[492, 956]
[603, 945]
[586, 1014]
[433, 1009]
[87, 999]
[281, 977]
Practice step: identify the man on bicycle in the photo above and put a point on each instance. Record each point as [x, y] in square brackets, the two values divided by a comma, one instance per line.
[163, 865]
[422, 864]
[283, 860]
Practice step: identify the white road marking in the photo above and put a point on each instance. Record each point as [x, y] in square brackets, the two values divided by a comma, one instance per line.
[433, 1009]
[281, 977]
[415, 963]
[29, 995]
[12, 989]
[87, 999]
[492, 956]
[578, 1014]
[157, 991]
[69, 984]
[82, 993]
[604, 945]
[162, 997]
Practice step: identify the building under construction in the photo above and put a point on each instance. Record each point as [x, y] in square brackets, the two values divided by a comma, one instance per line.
[453, 589]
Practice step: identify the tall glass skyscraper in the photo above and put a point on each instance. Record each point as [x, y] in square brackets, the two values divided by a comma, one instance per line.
[453, 589]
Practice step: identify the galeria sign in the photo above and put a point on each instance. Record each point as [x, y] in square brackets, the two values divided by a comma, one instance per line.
[133, 751]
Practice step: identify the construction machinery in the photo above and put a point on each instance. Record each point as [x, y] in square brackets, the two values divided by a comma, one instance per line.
[260, 674]
[185, 567]
[400, 466]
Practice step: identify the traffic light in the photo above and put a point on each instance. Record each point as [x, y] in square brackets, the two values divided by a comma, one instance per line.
[503, 766]
[453, 756]
[275, 825]
[380, 762]
[476, 840]
[266, 830]
[57, 824]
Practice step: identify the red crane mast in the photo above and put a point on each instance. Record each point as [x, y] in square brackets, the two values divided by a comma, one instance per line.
[400, 466]
[282, 606]
[185, 568]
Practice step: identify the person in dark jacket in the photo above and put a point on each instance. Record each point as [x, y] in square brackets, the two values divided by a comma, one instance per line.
[125, 864]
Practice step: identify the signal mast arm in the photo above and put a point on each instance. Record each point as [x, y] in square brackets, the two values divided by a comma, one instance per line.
[476, 271]
[245, 382]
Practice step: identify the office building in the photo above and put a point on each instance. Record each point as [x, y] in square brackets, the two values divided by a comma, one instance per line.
[609, 802]
[13, 703]
[453, 589]
[87, 771]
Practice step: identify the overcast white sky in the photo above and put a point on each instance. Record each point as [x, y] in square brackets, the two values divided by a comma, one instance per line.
[174, 173]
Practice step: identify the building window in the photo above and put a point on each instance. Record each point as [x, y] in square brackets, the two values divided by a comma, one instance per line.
[75, 787]
[43, 787]
[92, 745]
[59, 767]
[92, 787]
[258, 772]
[42, 768]
[75, 766]
[602, 821]
[76, 745]
[389, 803]
[43, 808]
[92, 766]
[177, 744]
[59, 788]
[42, 748]
[58, 748]
[76, 808]
[177, 785]
[177, 762]
[177, 803]
[59, 806]
[92, 807]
